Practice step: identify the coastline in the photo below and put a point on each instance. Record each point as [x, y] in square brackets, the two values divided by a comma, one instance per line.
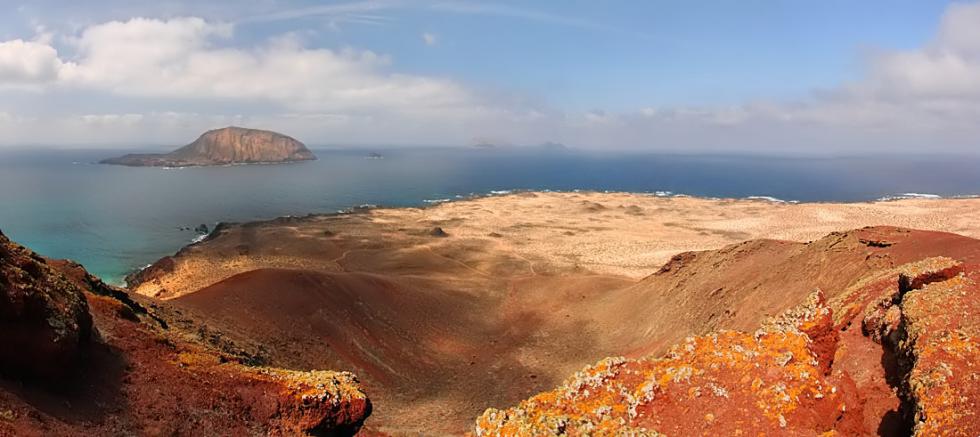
[526, 286]
[621, 233]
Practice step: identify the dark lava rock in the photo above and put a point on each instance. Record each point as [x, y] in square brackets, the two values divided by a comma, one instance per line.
[44, 318]
[438, 232]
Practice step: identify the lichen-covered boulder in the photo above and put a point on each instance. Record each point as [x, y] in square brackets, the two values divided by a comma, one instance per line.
[319, 402]
[729, 383]
[44, 318]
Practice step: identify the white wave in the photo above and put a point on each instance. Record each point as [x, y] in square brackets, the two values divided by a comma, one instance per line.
[434, 201]
[767, 199]
[910, 196]
[198, 239]
[501, 192]
[922, 195]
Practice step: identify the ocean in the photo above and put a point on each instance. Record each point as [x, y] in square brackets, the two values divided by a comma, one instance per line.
[117, 219]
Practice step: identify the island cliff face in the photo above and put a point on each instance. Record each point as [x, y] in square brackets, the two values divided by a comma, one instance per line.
[230, 145]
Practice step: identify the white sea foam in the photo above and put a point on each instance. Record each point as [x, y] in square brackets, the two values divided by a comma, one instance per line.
[922, 195]
[198, 239]
[501, 192]
[767, 199]
[434, 201]
[911, 196]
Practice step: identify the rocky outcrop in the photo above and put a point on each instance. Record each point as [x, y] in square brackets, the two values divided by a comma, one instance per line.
[728, 383]
[230, 145]
[319, 402]
[44, 318]
[895, 352]
[126, 367]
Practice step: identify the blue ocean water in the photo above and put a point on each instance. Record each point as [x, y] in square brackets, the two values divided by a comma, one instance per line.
[116, 219]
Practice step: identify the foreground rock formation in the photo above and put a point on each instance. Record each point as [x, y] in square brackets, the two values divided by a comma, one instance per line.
[78, 357]
[896, 353]
[230, 145]
[44, 318]
[502, 307]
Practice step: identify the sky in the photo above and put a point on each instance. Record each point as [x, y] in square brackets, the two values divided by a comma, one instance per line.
[787, 77]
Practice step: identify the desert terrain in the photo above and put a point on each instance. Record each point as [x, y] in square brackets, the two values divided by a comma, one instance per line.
[448, 310]
[619, 234]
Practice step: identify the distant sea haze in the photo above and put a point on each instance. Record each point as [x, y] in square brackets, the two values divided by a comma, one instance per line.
[117, 219]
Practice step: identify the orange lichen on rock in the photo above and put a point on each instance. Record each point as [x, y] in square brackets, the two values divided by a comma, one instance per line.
[914, 366]
[728, 383]
[943, 328]
[882, 315]
[317, 401]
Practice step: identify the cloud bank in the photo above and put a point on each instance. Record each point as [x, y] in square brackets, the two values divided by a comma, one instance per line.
[176, 77]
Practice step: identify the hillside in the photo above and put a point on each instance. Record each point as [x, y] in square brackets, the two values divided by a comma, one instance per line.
[499, 306]
[82, 358]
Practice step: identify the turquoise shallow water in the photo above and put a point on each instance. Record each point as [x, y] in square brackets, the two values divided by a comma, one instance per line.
[116, 219]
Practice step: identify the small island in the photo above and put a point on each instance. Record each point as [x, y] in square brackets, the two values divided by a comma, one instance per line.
[230, 145]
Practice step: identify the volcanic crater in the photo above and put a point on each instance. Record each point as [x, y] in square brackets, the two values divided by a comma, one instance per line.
[507, 304]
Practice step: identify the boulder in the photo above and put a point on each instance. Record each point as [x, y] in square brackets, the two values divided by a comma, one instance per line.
[44, 318]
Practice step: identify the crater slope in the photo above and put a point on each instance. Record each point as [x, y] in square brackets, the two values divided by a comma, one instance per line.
[518, 292]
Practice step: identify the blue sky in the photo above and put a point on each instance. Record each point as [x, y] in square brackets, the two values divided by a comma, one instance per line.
[683, 75]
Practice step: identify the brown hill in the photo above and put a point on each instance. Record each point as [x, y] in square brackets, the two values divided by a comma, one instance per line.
[125, 369]
[442, 327]
[230, 145]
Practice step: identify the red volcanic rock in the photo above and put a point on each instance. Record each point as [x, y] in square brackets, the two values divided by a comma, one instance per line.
[895, 352]
[320, 402]
[728, 383]
[942, 321]
[142, 375]
[230, 145]
[44, 318]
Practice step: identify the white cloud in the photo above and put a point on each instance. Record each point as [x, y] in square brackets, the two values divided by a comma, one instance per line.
[28, 63]
[112, 119]
[906, 100]
[184, 58]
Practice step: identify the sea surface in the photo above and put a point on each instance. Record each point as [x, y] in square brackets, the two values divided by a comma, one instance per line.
[116, 219]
